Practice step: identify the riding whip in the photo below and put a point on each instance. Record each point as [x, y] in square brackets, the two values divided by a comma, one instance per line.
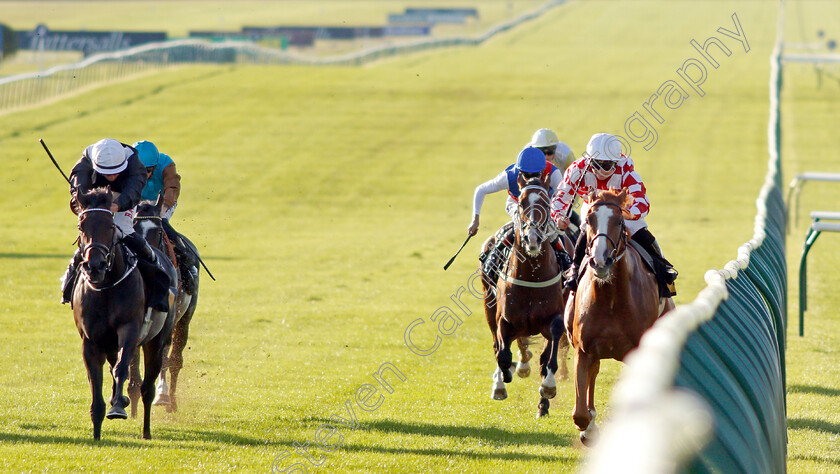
[456, 253]
[54, 162]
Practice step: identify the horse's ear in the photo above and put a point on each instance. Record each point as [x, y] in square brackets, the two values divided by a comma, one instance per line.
[545, 180]
[159, 202]
[520, 180]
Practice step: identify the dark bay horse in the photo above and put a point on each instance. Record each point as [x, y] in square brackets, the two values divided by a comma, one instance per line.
[147, 223]
[109, 301]
[617, 300]
[528, 297]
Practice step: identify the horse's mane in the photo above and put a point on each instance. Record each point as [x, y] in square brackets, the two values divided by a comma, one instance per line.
[617, 196]
[99, 198]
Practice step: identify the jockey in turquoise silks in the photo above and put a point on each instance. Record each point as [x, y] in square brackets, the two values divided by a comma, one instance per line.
[163, 179]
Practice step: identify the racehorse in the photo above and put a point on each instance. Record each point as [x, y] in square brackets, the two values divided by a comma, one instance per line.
[109, 299]
[528, 297]
[617, 300]
[147, 222]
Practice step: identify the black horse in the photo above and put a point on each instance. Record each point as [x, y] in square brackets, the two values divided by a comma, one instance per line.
[109, 306]
[148, 223]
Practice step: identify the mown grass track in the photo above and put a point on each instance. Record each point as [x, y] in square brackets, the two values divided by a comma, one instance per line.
[326, 201]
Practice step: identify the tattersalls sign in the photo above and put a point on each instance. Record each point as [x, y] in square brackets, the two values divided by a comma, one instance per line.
[85, 41]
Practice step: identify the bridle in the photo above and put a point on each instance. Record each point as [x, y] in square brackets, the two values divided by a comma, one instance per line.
[614, 255]
[531, 222]
[107, 251]
[161, 242]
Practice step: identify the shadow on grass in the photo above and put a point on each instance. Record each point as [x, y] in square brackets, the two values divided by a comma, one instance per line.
[814, 390]
[818, 459]
[815, 425]
[497, 435]
[211, 436]
[438, 452]
[121, 439]
[24, 256]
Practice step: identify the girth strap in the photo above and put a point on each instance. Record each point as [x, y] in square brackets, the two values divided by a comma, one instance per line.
[530, 284]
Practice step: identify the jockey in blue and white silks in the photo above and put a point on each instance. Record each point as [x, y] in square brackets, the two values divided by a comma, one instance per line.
[557, 153]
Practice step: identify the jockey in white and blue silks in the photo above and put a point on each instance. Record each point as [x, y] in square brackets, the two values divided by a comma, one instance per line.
[554, 151]
[530, 163]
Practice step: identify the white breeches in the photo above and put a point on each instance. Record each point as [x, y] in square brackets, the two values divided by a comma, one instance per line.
[124, 220]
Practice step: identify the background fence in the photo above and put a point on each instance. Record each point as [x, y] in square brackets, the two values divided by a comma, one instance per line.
[705, 392]
[25, 90]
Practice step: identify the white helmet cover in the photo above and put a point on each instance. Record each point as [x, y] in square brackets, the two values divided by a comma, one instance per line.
[603, 146]
[109, 156]
[543, 137]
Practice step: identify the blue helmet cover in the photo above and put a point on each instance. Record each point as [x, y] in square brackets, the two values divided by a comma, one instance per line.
[530, 160]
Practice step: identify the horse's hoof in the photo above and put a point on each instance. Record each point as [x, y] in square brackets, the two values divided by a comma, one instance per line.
[548, 392]
[589, 436]
[542, 413]
[523, 370]
[162, 399]
[499, 394]
[116, 413]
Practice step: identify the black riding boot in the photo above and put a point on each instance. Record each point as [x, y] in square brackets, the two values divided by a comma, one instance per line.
[571, 281]
[494, 261]
[563, 258]
[648, 241]
[153, 272]
[69, 279]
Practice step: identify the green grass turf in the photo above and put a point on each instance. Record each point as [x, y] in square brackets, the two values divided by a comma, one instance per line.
[326, 200]
[809, 108]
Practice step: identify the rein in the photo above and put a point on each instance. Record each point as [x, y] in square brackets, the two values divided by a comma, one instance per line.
[106, 250]
[522, 227]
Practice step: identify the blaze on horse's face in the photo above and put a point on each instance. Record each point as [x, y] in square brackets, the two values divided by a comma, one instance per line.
[533, 216]
[605, 230]
[97, 233]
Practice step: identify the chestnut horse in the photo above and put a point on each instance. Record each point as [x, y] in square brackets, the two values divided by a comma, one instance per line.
[528, 297]
[108, 305]
[617, 300]
[147, 223]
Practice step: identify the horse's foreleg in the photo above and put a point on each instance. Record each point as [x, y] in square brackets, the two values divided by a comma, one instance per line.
[134, 380]
[523, 366]
[153, 361]
[581, 415]
[548, 389]
[176, 357]
[93, 363]
[503, 356]
[590, 434]
[162, 389]
[127, 335]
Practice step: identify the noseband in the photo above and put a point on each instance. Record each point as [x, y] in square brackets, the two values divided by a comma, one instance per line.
[614, 255]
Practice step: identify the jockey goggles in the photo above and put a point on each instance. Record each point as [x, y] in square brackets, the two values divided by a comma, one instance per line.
[604, 165]
[548, 150]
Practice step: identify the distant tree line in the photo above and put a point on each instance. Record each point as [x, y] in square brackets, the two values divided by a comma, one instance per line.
[10, 41]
